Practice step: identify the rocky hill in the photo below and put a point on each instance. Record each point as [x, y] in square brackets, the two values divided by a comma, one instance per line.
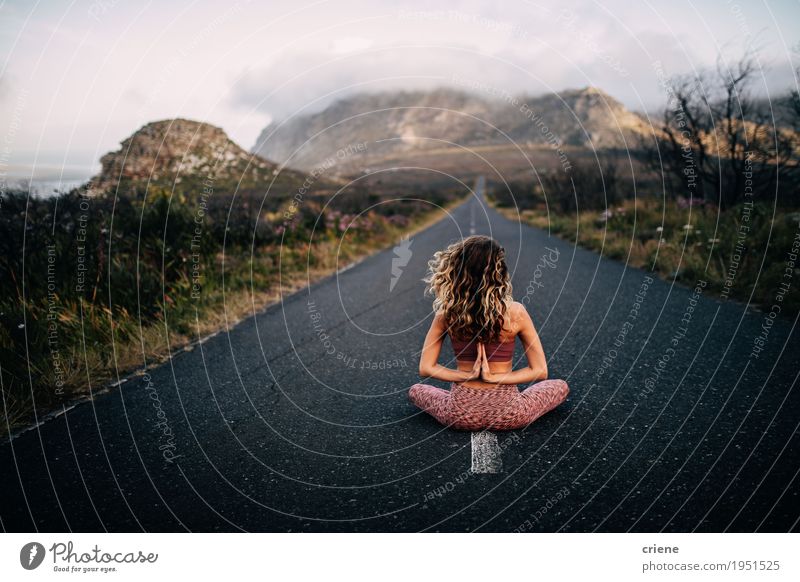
[176, 153]
[581, 117]
[391, 124]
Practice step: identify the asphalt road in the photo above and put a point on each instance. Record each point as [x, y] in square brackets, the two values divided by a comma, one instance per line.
[297, 419]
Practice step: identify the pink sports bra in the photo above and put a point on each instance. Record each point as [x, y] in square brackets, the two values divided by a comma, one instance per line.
[495, 351]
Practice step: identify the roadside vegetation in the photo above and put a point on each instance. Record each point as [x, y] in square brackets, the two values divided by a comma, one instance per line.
[712, 194]
[93, 288]
[741, 252]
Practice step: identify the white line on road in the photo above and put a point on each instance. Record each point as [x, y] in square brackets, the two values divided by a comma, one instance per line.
[472, 218]
[486, 453]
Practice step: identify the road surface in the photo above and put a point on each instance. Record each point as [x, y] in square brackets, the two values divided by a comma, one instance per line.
[297, 419]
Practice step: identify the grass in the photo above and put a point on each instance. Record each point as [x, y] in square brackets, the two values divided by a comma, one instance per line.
[59, 342]
[741, 253]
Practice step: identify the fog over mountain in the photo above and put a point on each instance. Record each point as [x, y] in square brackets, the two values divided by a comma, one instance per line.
[391, 123]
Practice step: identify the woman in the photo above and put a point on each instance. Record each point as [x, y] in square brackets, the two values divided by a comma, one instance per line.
[474, 306]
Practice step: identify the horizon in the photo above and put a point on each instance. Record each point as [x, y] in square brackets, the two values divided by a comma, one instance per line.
[51, 172]
[99, 76]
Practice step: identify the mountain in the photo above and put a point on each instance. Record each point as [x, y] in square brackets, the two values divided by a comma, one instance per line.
[182, 154]
[586, 117]
[360, 130]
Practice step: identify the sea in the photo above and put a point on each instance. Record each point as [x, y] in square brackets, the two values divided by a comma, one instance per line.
[45, 181]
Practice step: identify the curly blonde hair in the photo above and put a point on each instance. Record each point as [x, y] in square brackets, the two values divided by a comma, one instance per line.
[471, 288]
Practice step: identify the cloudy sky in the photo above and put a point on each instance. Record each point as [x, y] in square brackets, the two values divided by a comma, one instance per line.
[77, 77]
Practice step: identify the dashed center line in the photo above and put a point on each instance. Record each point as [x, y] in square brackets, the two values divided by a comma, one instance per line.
[486, 453]
[472, 218]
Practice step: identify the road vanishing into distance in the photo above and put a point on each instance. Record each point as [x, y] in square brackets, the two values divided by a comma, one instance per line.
[297, 419]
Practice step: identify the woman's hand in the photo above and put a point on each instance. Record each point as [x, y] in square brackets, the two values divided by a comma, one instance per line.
[486, 372]
[476, 366]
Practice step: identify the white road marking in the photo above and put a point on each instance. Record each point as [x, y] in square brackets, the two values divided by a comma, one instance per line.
[480, 184]
[472, 218]
[486, 454]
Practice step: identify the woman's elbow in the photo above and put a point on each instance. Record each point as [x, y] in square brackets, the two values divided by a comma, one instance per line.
[542, 372]
[424, 371]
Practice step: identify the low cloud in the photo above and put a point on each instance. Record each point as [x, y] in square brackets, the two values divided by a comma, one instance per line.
[626, 68]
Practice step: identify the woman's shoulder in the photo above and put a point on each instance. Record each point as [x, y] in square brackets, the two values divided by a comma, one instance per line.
[516, 316]
[440, 321]
[516, 310]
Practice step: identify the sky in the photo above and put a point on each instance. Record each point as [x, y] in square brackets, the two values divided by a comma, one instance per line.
[77, 77]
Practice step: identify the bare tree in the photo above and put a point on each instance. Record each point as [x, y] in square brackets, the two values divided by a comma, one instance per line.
[793, 104]
[791, 137]
[718, 143]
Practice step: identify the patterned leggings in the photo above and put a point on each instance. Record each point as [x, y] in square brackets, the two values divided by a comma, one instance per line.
[501, 408]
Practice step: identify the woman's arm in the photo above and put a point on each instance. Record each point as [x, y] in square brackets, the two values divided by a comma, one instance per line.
[429, 366]
[536, 369]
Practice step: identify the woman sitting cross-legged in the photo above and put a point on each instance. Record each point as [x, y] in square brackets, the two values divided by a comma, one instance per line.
[474, 307]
